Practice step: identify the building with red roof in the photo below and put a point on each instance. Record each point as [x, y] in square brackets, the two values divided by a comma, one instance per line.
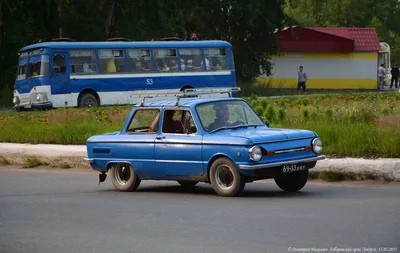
[333, 58]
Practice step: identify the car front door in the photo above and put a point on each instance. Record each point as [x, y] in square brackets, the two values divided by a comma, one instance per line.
[178, 145]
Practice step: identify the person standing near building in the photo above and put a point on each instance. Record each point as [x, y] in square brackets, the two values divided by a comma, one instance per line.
[395, 76]
[302, 79]
[381, 76]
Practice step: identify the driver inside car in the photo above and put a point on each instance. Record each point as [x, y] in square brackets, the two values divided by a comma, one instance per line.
[222, 117]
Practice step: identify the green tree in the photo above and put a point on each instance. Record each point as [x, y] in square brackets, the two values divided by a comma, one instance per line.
[384, 16]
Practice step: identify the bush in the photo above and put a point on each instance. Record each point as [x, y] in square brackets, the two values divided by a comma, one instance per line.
[332, 176]
[259, 109]
[32, 161]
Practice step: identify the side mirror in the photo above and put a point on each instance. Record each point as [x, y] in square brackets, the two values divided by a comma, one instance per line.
[266, 123]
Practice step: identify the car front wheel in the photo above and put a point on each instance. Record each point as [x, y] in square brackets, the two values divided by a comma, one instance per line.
[225, 178]
[292, 182]
[124, 178]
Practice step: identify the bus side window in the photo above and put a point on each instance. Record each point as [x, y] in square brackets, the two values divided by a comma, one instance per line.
[216, 58]
[83, 62]
[139, 60]
[59, 64]
[111, 60]
[166, 60]
[191, 59]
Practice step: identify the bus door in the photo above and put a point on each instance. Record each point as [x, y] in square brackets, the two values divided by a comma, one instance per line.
[59, 81]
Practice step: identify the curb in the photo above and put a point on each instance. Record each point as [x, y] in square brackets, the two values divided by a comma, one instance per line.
[51, 154]
[381, 169]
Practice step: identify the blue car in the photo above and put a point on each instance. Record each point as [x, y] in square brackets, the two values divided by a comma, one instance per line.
[217, 140]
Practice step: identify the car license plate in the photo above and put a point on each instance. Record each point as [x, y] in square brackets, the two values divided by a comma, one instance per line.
[293, 168]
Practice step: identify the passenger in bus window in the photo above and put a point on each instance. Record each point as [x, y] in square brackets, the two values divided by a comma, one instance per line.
[146, 67]
[183, 65]
[189, 65]
[173, 65]
[111, 68]
[86, 68]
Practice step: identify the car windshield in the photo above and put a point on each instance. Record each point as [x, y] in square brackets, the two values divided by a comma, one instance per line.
[227, 114]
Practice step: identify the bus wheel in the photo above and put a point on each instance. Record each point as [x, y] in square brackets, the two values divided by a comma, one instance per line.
[88, 100]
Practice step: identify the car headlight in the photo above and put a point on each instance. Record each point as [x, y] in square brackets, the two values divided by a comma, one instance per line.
[317, 145]
[255, 153]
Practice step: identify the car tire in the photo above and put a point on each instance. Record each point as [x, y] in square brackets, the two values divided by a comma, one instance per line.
[185, 183]
[225, 178]
[292, 182]
[124, 178]
[88, 100]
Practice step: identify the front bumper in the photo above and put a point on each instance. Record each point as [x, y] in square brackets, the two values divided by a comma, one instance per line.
[43, 105]
[277, 164]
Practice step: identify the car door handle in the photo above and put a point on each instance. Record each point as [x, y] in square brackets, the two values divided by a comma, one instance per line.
[160, 137]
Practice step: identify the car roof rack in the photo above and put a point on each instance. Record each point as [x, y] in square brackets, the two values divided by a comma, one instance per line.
[187, 93]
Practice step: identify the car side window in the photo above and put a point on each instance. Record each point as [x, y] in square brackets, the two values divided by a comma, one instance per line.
[178, 122]
[144, 121]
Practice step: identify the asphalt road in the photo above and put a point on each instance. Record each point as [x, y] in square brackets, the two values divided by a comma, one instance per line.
[67, 211]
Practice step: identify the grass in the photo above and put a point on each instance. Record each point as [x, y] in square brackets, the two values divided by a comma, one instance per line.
[365, 125]
[357, 125]
[60, 126]
[4, 161]
[64, 165]
[33, 161]
[334, 176]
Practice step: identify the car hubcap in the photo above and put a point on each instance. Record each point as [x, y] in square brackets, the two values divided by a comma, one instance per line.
[122, 174]
[224, 177]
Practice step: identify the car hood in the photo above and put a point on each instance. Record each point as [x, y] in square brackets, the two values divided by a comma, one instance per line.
[268, 134]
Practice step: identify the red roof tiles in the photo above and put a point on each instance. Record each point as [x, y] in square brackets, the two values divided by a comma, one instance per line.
[365, 39]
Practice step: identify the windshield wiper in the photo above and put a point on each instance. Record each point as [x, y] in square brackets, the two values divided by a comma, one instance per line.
[233, 127]
[246, 125]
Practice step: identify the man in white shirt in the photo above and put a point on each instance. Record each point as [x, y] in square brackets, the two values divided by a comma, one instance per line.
[302, 79]
[381, 76]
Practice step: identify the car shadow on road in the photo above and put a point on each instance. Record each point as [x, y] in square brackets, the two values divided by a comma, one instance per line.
[207, 190]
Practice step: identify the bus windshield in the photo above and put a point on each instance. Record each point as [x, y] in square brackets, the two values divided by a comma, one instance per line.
[21, 72]
[38, 66]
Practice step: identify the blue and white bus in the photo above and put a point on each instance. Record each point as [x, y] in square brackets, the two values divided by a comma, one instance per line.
[90, 74]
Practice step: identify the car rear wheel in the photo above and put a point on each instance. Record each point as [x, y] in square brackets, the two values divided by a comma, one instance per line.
[292, 182]
[225, 178]
[187, 183]
[124, 178]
